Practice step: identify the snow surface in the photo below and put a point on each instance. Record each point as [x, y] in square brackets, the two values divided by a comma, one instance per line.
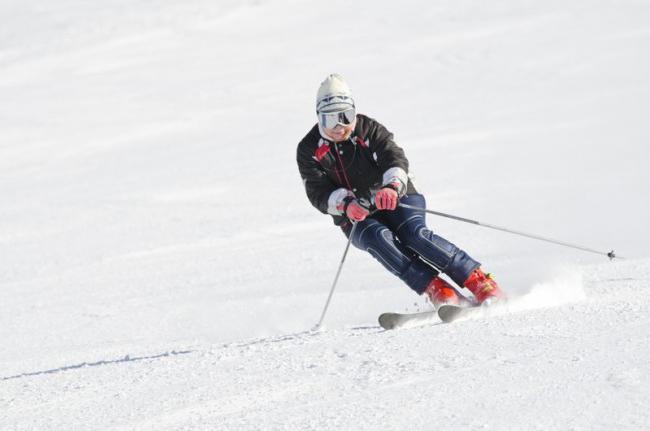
[161, 266]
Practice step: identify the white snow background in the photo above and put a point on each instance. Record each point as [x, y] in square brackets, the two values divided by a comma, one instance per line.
[161, 266]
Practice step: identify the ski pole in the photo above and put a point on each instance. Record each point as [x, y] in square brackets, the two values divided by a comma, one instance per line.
[610, 254]
[336, 279]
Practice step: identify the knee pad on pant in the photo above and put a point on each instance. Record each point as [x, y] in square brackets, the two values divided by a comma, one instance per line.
[380, 243]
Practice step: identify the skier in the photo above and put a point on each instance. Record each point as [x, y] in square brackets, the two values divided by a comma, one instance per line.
[349, 162]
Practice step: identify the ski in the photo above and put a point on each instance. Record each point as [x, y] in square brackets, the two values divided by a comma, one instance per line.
[449, 313]
[397, 320]
[446, 313]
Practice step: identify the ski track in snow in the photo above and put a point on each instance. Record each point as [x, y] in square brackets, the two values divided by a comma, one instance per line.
[160, 265]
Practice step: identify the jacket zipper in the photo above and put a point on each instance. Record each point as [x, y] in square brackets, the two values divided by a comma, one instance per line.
[340, 161]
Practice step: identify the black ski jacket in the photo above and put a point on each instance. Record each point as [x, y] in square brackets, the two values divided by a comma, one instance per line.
[359, 166]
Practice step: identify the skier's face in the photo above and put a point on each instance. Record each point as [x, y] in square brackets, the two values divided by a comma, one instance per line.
[340, 132]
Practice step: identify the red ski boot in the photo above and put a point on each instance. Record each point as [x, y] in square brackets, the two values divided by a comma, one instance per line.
[483, 287]
[440, 292]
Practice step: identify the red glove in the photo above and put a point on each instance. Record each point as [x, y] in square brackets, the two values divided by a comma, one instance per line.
[356, 212]
[386, 198]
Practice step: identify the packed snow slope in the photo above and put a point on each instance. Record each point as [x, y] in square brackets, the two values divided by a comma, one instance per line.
[160, 265]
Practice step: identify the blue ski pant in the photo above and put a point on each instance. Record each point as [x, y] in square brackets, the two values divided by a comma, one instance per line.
[402, 243]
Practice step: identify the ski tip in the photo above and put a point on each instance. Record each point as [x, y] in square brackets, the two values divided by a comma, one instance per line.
[449, 313]
[387, 321]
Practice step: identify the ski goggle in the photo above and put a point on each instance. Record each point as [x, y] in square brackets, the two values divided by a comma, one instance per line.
[330, 120]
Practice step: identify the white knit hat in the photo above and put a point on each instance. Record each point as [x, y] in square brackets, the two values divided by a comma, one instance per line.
[334, 95]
